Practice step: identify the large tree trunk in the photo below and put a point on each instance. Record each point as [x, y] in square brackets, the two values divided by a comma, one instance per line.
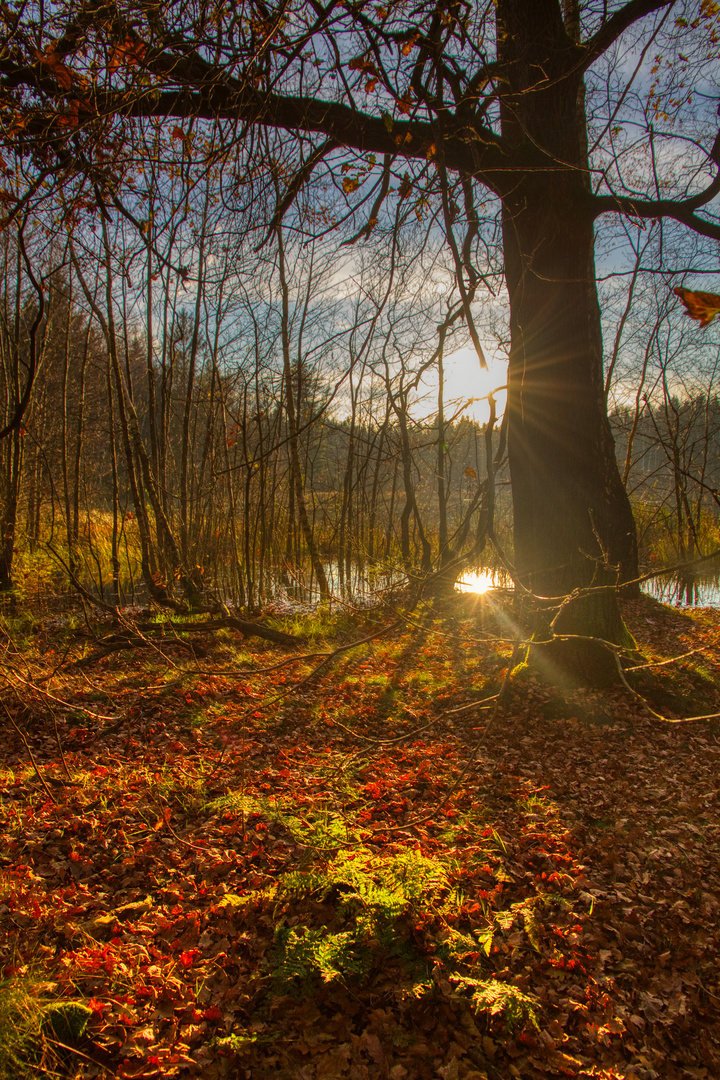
[573, 523]
[572, 515]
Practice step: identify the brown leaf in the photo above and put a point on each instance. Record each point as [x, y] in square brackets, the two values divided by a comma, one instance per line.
[371, 1044]
[60, 72]
[362, 63]
[405, 187]
[703, 306]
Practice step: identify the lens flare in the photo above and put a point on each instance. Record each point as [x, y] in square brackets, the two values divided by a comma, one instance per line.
[475, 583]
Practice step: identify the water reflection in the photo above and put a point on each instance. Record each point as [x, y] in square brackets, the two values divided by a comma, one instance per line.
[681, 589]
[355, 582]
[481, 580]
[684, 589]
[363, 585]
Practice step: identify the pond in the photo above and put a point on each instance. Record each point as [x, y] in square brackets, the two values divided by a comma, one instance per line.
[364, 586]
[293, 591]
[698, 589]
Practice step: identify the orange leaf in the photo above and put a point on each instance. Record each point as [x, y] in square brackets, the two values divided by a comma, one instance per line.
[129, 51]
[361, 63]
[470, 473]
[60, 72]
[405, 187]
[71, 118]
[703, 306]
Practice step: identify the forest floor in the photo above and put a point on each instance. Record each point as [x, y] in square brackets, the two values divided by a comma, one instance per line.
[241, 860]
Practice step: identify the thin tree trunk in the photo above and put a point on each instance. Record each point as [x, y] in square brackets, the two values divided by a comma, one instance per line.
[114, 558]
[297, 479]
[188, 409]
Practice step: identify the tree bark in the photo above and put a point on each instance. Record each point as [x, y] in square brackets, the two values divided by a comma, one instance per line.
[573, 524]
[571, 509]
[572, 519]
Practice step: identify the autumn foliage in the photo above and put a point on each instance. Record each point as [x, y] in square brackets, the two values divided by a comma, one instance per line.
[260, 864]
[702, 306]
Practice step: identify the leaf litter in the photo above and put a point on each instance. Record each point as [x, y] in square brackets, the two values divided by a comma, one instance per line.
[363, 879]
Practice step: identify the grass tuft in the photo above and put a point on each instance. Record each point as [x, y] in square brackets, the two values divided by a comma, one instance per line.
[29, 1027]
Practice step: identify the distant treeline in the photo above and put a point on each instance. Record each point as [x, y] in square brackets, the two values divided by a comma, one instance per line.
[177, 461]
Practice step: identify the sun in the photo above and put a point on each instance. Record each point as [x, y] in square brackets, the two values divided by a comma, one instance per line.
[465, 379]
[477, 583]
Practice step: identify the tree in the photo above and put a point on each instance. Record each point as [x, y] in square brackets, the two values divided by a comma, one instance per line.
[471, 97]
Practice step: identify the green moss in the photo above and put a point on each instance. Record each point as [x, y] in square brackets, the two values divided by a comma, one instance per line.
[66, 1021]
[31, 1027]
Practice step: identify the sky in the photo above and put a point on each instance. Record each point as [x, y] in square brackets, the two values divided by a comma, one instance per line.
[466, 385]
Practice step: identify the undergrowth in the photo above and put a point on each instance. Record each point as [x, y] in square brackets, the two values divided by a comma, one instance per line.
[350, 911]
[35, 1028]
[269, 883]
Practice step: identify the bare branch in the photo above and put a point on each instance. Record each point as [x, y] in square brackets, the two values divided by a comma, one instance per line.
[678, 210]
[617, 24]
[22, 405]
[300, 178]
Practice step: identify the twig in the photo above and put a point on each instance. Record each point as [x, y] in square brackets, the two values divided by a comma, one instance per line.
[26, 744]
[616, 650]
[646, 704]
[418, 730]
[12, 675]
[59, 746]
[185, 843]
[663, 663]
[328, 657]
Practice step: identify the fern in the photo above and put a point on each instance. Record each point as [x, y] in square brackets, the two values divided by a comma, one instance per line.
[323, 832]
[235, 1043]
[372, 893]
[418, 876]
[456, 946]
[300, 883]
[234, 803]
[389, 886]
[501, 1000]
[306, 952]
[527, 910]
[386, 902]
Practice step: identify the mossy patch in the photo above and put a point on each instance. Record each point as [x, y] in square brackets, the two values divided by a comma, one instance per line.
[66, 1021]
